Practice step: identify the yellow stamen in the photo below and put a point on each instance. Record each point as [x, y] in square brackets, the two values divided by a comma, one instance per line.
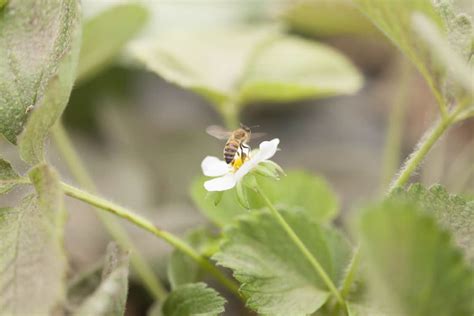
[238, 162]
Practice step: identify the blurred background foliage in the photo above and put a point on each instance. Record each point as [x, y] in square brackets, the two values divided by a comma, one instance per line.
[143, 137]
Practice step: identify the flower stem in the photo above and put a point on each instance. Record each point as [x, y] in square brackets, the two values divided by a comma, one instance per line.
[351, 273]
[79, 172]
[419, 154]
[297, 241]
[147, 225]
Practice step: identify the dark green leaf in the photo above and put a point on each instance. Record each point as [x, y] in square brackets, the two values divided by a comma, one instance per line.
[8, 176]
[181, 268]
[412, 264]
[105, 35]
[110, 297]
[38, 45]
[193, 299]
[276, 277]
[452, 212]
[32, 261]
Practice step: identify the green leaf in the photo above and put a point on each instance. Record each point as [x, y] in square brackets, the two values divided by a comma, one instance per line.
[181, 268]
[220, 214]
[83, 285]
[452, 213]
[322, 18]
[296, 191]
[8, 176]
[248, 64]
[393, 18]
[354, 309]
[208, 63]
[292, 68]
[193, 299]
[276, 277]
[412, 264]
[106, 34]
[38, 45]
[32, 260]
[3, 3]
[441, 52]
[110, 297]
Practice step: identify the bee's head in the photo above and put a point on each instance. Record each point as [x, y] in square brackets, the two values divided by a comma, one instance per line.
[245, 128]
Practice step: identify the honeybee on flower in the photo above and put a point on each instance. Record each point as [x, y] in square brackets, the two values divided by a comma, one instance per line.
[239, 159]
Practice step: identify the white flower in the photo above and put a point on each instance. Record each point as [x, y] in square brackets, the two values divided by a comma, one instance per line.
[228, 176]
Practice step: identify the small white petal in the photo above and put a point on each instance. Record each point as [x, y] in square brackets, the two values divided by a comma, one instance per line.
[268, 149]
[214, 167]
[221, 184]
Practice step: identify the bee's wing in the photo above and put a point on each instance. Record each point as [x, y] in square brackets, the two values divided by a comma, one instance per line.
[258, 135]
[218, 132]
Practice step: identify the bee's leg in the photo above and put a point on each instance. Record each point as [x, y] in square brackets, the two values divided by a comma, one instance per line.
[245, 151]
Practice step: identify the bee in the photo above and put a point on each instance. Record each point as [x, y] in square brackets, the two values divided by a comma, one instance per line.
[237, 145]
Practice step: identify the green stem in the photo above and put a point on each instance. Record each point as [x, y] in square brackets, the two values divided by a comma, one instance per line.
[79, 172]
[148, 226]
[314, 262]
[230, 113]
[351, 273]
[419, 154]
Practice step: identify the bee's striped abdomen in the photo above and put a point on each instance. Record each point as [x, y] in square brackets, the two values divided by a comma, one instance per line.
[230, 150]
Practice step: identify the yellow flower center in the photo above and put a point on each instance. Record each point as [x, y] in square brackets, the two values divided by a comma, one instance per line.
[239, 161]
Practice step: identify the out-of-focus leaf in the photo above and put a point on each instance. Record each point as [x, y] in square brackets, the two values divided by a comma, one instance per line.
[39, 49]
[83, 285]
[220, 214]
[247, 65]
[193, 299]
[181, 268]
[451, 211]
[393, 18]
[354, 309]
[209, 64]
[32, 261]
[296, 191]
[8, 176]
[2, 3]
[300, 191]
[412, 264]
[110, 297]
[291, 68]
[105, 35]
[326, 18]
[276, 277]
[442, 53]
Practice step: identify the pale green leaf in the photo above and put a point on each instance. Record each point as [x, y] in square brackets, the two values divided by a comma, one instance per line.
[38, 45]
[208, 63]
[291, 68]
[110, 297]
[393, 18]
[106, 34]
[8, 176]
[247, 65]
[326, 18]
[276, 277]
[354, 309]
[412, 264]
[32, 261]
[181, 268]
[296, 191]
[82, 285]
[193, 299]
[442, 53]
[452, 212]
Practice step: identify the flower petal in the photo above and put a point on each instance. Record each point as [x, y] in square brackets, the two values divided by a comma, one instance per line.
[221, 184]
[214, 167]
[268, 149]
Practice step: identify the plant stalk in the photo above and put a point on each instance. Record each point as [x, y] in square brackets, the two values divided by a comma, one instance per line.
[148, 226]
[302, 247]
[118, 233]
